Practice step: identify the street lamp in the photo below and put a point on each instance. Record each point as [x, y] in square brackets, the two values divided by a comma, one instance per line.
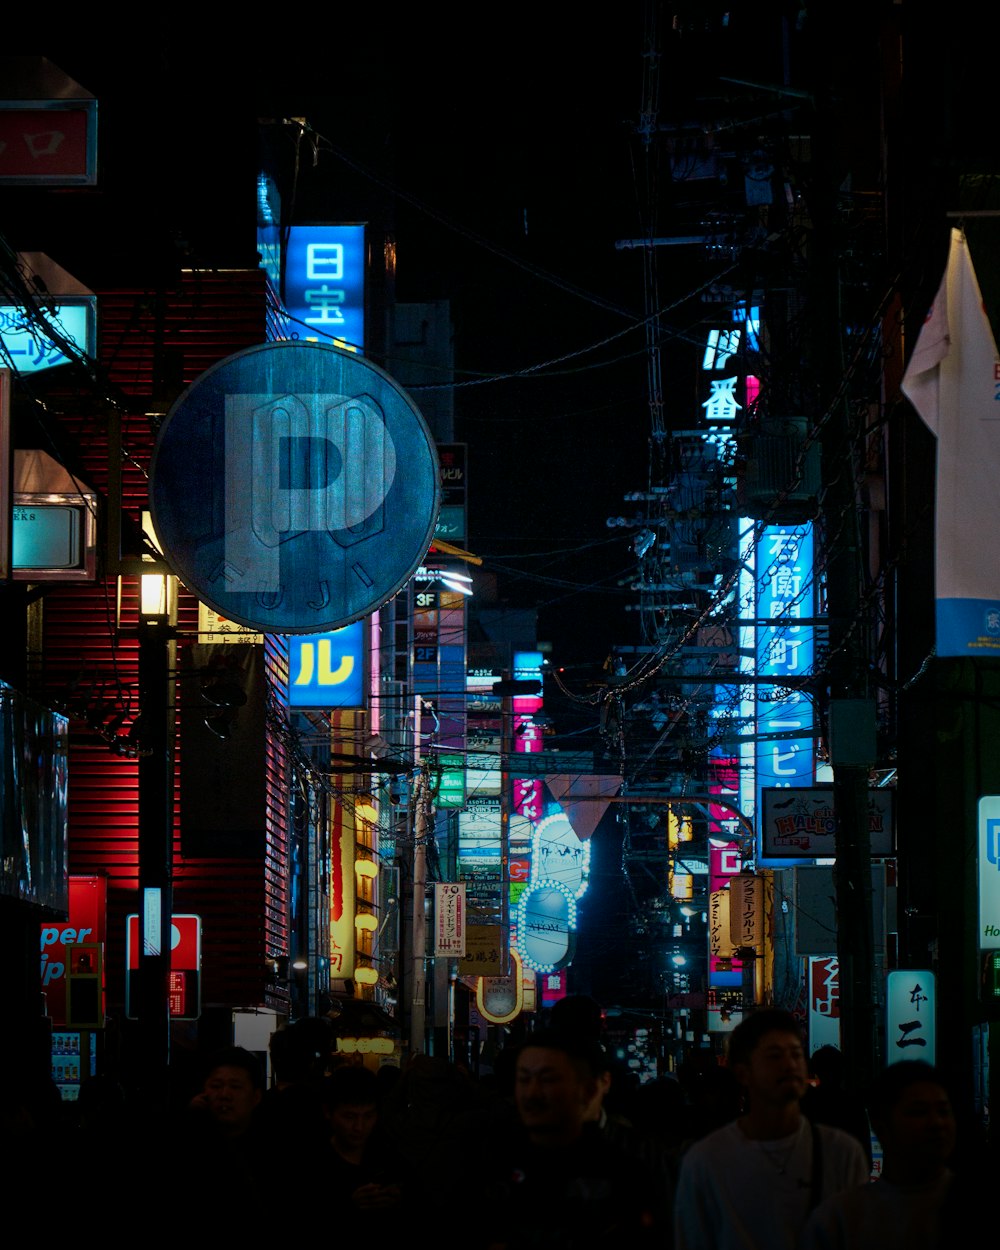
[156, 631]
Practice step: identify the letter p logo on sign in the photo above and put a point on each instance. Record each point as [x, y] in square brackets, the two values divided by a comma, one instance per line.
[295, 488]
[319, 464]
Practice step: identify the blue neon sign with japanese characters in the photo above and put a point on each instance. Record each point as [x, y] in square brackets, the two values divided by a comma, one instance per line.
[325, 285]
[786, 601]
[327, 670]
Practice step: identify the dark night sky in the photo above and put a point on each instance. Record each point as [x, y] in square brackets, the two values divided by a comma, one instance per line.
[499, 151]
[502, 149]
[503, 146]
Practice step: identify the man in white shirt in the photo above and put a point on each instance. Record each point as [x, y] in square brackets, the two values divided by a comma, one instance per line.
[751, 1184]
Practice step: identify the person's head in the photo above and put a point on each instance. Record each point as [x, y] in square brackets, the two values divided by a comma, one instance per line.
[234, 1086]
[913, 1119]
[301, 1051]
[826, 1066]
[350, 1097]
[557, 1078]
[578, 1014]
[768, 1059]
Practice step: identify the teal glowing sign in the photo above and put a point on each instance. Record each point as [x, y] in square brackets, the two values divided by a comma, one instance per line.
[30, 350]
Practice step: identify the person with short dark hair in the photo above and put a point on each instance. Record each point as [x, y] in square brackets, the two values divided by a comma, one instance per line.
[301, 1053]
[829, 1100]
[233, 1088]
[751, 1184]
[359, 1171]
[914, 1122]
[561, 1184]
[218, 1133]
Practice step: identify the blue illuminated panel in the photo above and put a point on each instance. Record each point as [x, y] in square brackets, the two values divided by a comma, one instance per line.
[785, 651]
[325, 285]
[327, 670]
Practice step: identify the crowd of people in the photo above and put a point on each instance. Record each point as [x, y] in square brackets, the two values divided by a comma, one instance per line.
[555, 1148]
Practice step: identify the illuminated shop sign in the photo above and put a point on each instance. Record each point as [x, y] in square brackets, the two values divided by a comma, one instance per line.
[269, 228]
[559, 857]
[451, 780]
[746, 594]
[805, 823]
[910, 1010]
[88, 900]
[327, 670]
[528, 797]
[546, 924]
[50, 142]
[30, 349]
[325, 285]
[989, 872]
[785, 595]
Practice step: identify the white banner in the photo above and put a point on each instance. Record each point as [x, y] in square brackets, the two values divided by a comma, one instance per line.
[953, 381]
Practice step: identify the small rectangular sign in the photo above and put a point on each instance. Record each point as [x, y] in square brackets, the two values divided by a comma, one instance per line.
[49, 142]
[185, 965]
[910, 1008]
[800, 823]
[746, 910]
[327, 670]
[988, 869]
[824, 1001]
[325, 284]
[449, 915]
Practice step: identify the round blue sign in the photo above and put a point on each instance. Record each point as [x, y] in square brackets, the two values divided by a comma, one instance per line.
[294, 487]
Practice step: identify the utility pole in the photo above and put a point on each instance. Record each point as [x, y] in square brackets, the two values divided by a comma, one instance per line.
[851, 719]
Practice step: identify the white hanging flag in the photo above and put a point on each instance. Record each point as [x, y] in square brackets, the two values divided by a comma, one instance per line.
[953, 381]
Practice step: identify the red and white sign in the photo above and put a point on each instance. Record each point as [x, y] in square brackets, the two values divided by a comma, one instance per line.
[824, 1001]
[185, 944]
[46, 145]
[553, 987]
[519, 869]
[87, 919]
[183, 985]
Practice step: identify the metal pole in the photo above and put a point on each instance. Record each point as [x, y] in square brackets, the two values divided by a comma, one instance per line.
[156, 812]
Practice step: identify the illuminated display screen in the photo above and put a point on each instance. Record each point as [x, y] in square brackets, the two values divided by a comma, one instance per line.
[54, 536]
[46, 536]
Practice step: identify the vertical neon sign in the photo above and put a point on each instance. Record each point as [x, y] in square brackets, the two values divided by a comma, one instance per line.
[785, 598]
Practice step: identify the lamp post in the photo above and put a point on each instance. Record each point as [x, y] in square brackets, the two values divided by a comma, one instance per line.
[156, 630]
